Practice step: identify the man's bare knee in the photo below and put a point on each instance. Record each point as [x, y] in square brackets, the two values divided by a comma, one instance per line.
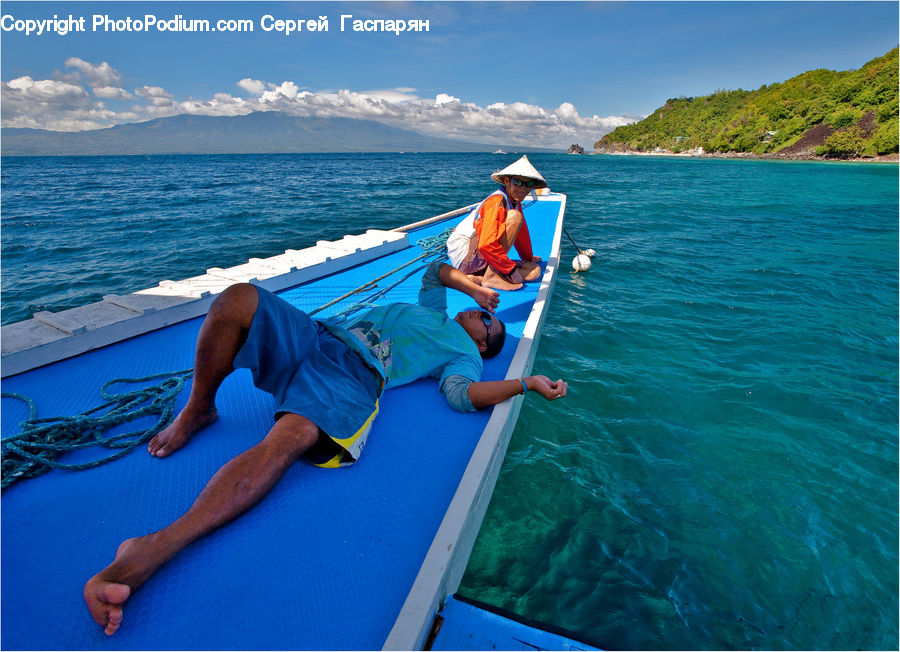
[239, 294]
[237, 302]
[514, 218]
[291, 436]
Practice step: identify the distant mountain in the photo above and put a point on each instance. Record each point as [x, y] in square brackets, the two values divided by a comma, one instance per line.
[818, 113]
[256, 133]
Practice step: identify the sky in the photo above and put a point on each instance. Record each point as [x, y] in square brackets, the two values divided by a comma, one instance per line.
[544, 74]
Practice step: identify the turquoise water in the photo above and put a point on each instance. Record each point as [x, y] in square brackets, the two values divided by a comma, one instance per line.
[724, 472]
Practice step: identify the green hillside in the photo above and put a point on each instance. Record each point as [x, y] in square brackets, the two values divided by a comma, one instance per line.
[822, 112]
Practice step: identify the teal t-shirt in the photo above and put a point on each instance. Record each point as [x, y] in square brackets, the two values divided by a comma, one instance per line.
[406, 342]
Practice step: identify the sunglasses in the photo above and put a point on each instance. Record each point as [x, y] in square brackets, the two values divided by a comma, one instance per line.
[486, 318]
[527, 183]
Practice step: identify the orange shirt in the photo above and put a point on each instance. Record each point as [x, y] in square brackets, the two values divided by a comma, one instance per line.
[490, 227]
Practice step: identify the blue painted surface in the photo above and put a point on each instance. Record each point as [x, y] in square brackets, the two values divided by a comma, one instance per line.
[324, 562]
[467, 627]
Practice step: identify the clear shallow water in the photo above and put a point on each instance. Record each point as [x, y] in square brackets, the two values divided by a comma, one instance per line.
[724, 473]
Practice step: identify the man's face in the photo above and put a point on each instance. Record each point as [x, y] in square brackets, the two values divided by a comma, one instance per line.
[514, 190]
[475, 323]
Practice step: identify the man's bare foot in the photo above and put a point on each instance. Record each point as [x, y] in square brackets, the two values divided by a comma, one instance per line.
[178, 432]
[500, 284]
[104, 601]
[492, 279]
[475, 278]
[106, 592]
[529, 269]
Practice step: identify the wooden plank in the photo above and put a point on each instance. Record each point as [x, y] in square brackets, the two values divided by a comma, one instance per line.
[49, 337]
[436, 218]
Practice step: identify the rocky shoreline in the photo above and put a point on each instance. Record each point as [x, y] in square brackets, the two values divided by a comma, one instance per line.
[890, 158]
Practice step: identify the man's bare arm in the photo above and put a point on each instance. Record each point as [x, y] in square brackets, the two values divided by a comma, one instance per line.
[487, 393]
[453, 278]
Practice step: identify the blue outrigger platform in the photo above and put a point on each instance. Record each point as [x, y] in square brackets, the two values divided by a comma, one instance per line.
[353, 558]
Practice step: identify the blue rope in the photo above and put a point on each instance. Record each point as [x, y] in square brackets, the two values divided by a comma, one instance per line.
[434, 247]
[35, 449]
[369, 302]
[435, 243]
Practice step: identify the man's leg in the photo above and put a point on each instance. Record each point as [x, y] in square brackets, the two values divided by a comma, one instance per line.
[512, 226]
[527, 270]
[222, 335]
[235, 488]
[514, 220]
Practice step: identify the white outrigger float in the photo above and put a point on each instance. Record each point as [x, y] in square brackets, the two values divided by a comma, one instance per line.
[359, 558]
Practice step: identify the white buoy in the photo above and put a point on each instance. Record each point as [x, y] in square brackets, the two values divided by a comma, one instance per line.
[590, 252]
[581, 263]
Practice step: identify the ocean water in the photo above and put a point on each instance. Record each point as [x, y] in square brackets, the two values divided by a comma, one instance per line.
[724, 471]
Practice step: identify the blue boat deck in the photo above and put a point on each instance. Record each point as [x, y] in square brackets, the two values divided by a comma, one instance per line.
[323, 562]
[469, 625]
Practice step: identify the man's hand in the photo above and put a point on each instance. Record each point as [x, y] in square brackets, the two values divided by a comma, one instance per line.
[487, 393]
[547, 388]
[486, 298]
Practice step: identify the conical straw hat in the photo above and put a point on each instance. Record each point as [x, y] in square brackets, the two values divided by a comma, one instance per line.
[521, 168]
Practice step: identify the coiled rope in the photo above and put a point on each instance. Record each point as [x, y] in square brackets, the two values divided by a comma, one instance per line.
[35, 449]
[40, 442]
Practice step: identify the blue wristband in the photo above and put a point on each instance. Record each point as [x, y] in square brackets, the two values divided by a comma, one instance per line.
[524, 386]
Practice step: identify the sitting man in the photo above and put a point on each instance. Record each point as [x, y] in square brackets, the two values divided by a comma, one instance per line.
[480, 244]
[326, 379]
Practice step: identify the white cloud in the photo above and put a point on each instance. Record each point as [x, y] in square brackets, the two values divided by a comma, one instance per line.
[113, 93]
[155, 94]
[567, 111]
[287, 90]
[66, 104]
[20, 83]
[46, 89]
[252, 86]
[98, 75]
[50, 104]
[399, 95]
[443, 98]
[220, 104]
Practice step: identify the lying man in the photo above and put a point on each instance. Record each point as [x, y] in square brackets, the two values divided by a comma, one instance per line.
[479, 246]
[326, 379]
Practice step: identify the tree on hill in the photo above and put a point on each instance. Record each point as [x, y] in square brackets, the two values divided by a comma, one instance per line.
[860, 107]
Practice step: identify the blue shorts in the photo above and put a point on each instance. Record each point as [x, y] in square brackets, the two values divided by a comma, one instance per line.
[313, 374]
